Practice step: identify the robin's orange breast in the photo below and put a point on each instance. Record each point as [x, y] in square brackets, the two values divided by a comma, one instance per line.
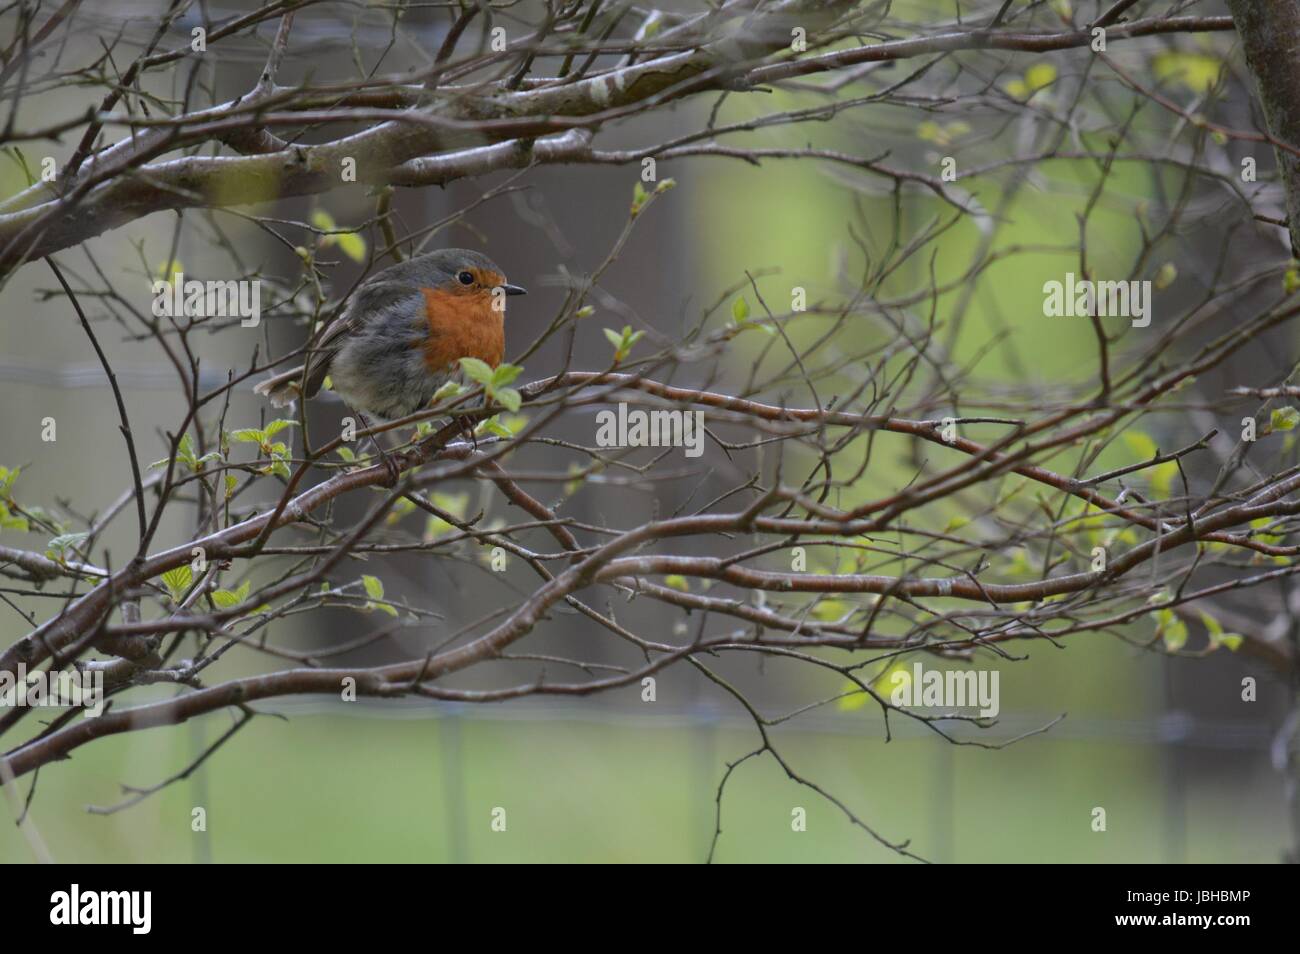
[462, 325]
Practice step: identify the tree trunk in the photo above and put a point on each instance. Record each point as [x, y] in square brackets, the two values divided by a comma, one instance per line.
[1270, 33]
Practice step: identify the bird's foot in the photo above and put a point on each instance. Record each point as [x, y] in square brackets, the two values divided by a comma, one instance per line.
[392, 470]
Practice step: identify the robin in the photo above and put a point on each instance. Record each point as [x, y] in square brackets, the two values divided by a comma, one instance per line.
[403, 334]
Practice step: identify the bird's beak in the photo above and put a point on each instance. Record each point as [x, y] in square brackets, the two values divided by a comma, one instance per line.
[515, 290]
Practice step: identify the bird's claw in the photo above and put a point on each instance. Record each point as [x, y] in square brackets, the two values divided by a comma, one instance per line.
[392, 472]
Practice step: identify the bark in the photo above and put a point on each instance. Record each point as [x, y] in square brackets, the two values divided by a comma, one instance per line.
[1270, 33]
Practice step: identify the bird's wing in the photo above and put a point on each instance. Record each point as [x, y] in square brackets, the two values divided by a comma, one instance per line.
[370, 300]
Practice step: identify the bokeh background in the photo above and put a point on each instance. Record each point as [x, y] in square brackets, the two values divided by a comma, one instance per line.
[1165, 745]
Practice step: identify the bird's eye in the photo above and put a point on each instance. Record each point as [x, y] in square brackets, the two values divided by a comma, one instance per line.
[465, 278]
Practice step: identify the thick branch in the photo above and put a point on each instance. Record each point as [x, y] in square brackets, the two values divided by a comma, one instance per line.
[1270, 32]
[383, 153]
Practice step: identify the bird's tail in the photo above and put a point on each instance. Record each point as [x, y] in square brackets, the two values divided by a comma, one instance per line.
[283, 389]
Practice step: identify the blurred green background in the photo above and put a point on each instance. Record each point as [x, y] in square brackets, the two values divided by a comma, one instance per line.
[599, 783]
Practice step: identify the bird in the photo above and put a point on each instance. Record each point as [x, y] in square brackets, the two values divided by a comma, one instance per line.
[403, 333]
[401, 337]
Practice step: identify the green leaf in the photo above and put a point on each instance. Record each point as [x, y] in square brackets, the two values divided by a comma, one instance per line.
[885, 683]
[946, 135]
[477, 371]
[677, 582]
[505, 374]
[248, 435]
[1170, 629]
[740, 310]
[1141, 444]
[1217, 636]
[276, 426]
[7, 478]
[493, 426]
[1212, 626]
[1162, 477]
[352, 245]
[454, 504]
[1175, 636]
[58, 547]
[1166, 276]
[830, 610]
[9, 522]
[514, 423]
[1265, 536]
[226, 599]
[1039, 76]
[374, 586]
[185, 452]
[398, 511]
[510, 399]
[623, 341]
[177, 581]
[1197, 71]
[857, 698]
[185, 455]
[323, 221]
[1284, 418]
[449, 390]
[639, 197]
